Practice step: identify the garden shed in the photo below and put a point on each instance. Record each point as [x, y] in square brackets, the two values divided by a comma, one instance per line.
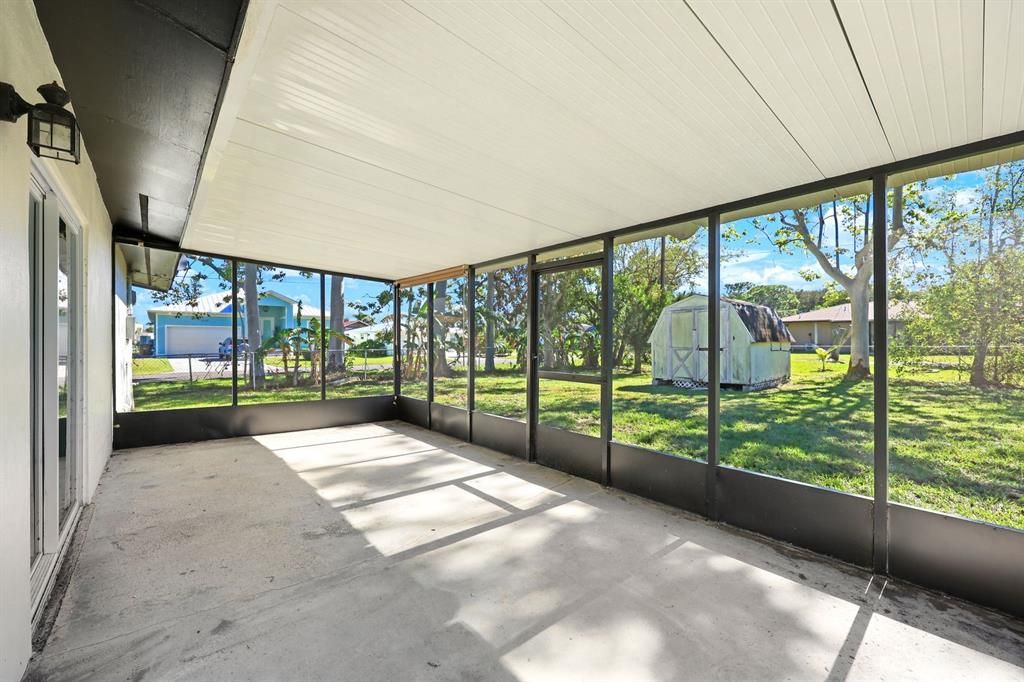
[755, 345]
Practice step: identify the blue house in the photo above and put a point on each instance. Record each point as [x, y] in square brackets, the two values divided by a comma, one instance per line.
[201, 326]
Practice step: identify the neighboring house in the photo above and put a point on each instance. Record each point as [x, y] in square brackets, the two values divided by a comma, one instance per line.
[359, 332]
[183, 328]
[826, 326]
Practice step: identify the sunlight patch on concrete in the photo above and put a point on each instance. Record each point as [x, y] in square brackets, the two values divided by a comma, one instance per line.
[410, 521]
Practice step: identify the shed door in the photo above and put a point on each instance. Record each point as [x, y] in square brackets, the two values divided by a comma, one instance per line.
[688, 341]
[684, 345]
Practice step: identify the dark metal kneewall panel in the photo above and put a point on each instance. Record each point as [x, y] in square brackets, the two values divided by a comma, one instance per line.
[500, 433]
[657, 476]
[573, 453]
[413, 410]
[451, 421]
[164, 427]
[969, 559]
[821, 520]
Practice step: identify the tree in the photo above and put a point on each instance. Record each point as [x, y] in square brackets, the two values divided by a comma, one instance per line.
[967, 273]
[336, 347]
[501, 319]
[440, 322]
[779, 297]
[414, 333]
[251, 296]
[794, 229]
[650, 274]
[189, 285]
[489, 325]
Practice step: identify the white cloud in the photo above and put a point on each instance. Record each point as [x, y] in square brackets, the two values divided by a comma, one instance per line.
[773, 274]
[751, 257]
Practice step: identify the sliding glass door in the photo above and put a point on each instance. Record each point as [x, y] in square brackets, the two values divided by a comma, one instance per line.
[56, 377]
[67, 304]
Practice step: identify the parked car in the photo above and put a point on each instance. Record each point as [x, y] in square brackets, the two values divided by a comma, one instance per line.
[224, 350]
[144, 345]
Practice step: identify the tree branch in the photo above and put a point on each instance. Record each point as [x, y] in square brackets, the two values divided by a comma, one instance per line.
[800, 226]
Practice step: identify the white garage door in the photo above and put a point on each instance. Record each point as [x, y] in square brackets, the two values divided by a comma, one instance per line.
[198, 340]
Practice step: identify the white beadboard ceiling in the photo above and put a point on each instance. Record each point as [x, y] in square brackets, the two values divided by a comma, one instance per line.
[395, 138]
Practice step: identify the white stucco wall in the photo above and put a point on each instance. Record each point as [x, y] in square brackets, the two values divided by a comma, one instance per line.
[26, 62]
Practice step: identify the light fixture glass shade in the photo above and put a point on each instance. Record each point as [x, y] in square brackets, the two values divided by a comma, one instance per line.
[53, 133]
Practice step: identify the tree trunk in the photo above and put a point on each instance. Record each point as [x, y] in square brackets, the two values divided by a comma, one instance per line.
[336, 346]
[252, 325]
[978, 378]
[409, 344]
[620, 352]
[638, 355]
[441, 368]
[859, 329]
[489, 326]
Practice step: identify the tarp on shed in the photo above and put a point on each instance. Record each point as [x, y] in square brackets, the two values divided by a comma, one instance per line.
[763, 323]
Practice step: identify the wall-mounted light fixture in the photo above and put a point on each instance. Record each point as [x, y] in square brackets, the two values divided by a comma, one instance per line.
[52, 129]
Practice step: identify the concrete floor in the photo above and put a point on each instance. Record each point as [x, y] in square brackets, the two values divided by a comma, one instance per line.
[386, 552]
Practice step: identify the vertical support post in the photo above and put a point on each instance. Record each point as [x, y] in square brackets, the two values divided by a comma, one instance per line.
[714, 361]
[234, 331]
[430, 353]
[323, 336]
[531, 358]
[607, 356]
[396, 343]
[880, 254]
[471, 349]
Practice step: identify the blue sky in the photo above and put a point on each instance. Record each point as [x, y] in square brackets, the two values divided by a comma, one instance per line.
[752, 258]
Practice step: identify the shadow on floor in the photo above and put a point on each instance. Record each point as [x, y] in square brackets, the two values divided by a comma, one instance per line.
[384, 551]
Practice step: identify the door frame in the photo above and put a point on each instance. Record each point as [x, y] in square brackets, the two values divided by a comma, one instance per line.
[588, 455]
[53, 536]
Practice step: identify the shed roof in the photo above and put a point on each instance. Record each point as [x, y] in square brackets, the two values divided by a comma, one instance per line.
[763, 323]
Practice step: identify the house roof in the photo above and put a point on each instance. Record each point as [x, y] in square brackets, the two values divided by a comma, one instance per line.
[219, 303]
[841, 313]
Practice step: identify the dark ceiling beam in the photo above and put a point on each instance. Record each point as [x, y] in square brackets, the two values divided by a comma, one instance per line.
[146, 78]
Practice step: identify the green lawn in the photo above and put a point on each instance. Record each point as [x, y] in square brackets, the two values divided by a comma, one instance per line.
[354, 359]
[953, 448]
[169, 395]
[142, 367]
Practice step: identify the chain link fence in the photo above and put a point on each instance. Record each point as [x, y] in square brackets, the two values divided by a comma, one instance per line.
[188, 367]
